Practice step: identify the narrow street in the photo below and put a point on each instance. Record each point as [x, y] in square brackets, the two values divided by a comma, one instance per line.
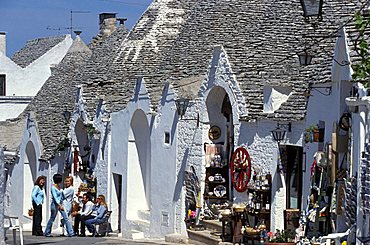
[213, 122]
[56, 239]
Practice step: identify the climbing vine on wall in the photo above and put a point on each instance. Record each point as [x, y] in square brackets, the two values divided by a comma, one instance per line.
[362, 69]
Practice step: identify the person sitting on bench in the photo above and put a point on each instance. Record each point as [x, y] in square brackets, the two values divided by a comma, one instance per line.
[97, 215]
[81, 216]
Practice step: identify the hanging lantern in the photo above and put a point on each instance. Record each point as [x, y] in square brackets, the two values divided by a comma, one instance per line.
[312, 8]
[181, 106]
[305, 57]
[278, 134]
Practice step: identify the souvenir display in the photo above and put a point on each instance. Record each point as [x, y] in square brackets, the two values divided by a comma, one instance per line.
[350, 200]
[219, 178]
[219, 191]
[216, 161]
[217, 173]
[365, 185]
[213, 155]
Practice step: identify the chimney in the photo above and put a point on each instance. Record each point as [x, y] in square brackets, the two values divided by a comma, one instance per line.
[121, 21]
[3, 42]
[107, 23]
[77, 32]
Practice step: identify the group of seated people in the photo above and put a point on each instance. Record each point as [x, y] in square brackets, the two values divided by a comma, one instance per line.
[89, 214]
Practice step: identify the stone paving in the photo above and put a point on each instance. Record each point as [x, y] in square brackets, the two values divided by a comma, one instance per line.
[57, 239]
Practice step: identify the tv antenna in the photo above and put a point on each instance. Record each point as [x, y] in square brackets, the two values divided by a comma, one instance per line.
[76, 12]
[70, 28]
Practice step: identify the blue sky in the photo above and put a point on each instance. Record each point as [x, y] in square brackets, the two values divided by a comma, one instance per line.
[24, 20]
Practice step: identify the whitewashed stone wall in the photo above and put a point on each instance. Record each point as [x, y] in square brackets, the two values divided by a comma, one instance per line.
[255, 136]
[100, 145]
[119, 150]
[2, 189]
[189, 153]
[168, 166]
[18, 180]
[28, 81]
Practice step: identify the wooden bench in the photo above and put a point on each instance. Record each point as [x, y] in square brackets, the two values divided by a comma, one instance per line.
[104, 228]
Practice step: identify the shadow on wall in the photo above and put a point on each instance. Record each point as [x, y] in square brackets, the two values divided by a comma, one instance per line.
[10, 167]
[278, 179]
[43, 165]
[246, 135]
[181, 177]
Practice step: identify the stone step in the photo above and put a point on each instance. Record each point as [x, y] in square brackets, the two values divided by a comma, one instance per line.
[143, 214]
[113, 234]
[176, 238]
[204, 237]
[214, 225]
[141, 226]
[135, 235]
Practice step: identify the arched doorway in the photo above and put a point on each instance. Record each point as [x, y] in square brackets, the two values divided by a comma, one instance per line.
[82, 147]
[219, 146]
[80, 165]
[138, 169]
[29, 176]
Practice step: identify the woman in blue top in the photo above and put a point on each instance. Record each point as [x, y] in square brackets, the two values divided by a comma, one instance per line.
[98, 214]
[67, 197]
[68, 194]
[56, 204]
[37, 201]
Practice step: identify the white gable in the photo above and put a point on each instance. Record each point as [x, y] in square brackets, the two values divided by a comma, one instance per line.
[273, 97]
[341, 70]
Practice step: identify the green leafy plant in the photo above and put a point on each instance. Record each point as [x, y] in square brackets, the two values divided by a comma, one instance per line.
[91, 131]
[281, 236]
[362, 69]
[308, 133]
[63, 144]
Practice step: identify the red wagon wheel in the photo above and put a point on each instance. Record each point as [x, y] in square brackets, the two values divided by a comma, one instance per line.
[240, 168]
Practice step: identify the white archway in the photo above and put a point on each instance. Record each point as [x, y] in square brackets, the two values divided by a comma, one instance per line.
[138, 169]
[29, 176]
[219, 111]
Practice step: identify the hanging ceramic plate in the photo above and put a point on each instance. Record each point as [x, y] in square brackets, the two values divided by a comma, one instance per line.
[214, 133]
[219, 191]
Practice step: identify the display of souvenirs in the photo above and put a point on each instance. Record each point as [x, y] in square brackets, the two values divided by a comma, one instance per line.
[213, 156]
[216, 161]
[219, 191]
[260, 182]
[217, 172]
[217, 178]
[88, 184]
[84, 187]
[351, 197]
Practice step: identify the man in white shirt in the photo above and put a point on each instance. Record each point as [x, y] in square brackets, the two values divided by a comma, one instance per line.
[80, 216]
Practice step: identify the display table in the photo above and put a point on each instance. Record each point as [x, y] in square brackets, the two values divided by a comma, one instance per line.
[227, 228]
[240, 228]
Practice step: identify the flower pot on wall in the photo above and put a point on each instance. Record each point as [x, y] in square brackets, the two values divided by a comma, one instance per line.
[318, 135]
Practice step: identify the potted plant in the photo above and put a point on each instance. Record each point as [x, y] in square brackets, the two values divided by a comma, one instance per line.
[92, 133]
[314, 134]
[63, 145]
[280, 237]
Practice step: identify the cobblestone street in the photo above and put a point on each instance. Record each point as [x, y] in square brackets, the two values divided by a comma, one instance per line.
[39, 240]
